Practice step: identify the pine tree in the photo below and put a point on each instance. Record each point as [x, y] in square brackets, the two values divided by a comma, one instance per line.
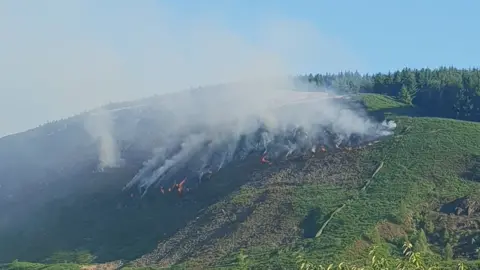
[429, 226]
[448, 252]
[446, 236]
[421, 245]
[405, 96]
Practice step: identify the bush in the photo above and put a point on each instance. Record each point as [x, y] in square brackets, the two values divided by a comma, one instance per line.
[421, 244]
[62, 266]
[78, 257]
[83, 257]
[410, 260]
[448, 252]
[16, 265]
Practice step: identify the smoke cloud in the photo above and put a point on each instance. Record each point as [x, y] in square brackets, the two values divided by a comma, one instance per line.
[99, 125]
[60, 58]
[68, 56]
[208, 129]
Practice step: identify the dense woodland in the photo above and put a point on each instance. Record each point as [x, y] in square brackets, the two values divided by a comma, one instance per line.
[443, 92]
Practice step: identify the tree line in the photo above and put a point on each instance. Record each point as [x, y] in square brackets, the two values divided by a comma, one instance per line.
[444, 92]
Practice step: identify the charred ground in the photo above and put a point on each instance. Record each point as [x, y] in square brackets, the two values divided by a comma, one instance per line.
[268, 211]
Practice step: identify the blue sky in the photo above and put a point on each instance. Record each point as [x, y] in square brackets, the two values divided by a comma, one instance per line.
[387, 34]
[62, 57]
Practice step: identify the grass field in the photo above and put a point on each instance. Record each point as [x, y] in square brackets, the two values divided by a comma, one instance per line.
[272, 213]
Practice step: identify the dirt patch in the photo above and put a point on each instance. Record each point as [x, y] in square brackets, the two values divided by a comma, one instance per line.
[390, 231]
[359, 247]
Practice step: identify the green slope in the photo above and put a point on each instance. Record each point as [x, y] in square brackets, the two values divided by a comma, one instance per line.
[423, 164]
[276, 211]
[422, 168]
[375, 102]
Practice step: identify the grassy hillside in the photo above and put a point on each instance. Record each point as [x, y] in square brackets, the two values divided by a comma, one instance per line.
[424, 166]
[377, 102]
[329, 208]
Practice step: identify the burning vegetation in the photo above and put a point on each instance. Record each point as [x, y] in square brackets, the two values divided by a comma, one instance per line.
[300, 128]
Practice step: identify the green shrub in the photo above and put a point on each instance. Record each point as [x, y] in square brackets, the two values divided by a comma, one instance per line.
[16, 265]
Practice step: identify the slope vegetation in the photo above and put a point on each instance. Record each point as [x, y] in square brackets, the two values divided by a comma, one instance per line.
[424, 166]
[419, 184]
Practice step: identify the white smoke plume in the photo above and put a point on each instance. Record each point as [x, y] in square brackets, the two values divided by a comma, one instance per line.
[99, 125]
[60, 58]
[125, 50]
[217, 126]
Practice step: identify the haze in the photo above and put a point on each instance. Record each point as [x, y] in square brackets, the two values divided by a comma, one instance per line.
[60, 58]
